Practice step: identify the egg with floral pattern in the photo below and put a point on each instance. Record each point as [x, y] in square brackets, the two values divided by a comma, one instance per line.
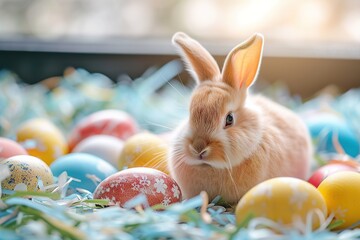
[42, 139]
[107, 122]
[284, 200]
[27, 170]
[158, 187]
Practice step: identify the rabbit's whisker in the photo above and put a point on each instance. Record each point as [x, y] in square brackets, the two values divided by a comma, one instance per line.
[229, 169]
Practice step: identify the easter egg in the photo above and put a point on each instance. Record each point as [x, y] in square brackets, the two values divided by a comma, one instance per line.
[323, 172]
[9, 148]
[103, 146]
[107, 122]
[158, 187]
[341, 192]
[323, 127]
[87, 168]
[144, 150]
[42, 139]
[283, 200]
[26, 169]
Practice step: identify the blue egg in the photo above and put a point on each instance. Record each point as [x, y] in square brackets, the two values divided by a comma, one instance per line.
[81, 166]
[323, 127]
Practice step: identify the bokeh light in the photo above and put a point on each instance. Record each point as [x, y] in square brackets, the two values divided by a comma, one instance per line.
[295, 20]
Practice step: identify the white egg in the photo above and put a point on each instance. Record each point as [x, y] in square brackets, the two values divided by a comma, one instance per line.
[103, 146]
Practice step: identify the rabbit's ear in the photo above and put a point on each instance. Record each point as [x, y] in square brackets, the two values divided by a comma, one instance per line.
[202, 66]
[242, 64]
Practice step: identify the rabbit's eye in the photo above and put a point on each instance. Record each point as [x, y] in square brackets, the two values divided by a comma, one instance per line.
[229, 119]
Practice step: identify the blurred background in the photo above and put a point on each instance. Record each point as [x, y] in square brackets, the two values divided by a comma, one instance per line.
[309, 43]
[336, 21]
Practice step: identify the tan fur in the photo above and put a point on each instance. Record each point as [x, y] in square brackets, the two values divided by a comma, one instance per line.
[201, 61]
[266, 140]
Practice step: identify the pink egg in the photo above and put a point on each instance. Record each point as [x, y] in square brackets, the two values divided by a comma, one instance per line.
[320, 174]
[158, 187]
[107, 122]
[10, 148]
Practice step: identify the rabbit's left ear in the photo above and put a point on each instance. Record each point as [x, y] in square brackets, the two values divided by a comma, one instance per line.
[242, 64]
[200, 62]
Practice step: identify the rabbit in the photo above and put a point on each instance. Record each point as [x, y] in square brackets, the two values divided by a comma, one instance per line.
[232, 139]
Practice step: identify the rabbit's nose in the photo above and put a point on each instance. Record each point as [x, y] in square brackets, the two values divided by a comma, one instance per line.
[199, 148]
[203, 153]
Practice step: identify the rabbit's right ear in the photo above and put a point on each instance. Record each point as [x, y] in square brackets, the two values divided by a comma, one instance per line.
[242, 64]
[202, 65]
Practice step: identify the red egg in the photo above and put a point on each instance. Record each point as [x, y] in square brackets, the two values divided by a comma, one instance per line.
[320, 174]
[106, 122]
[10, 148]
[158, 187]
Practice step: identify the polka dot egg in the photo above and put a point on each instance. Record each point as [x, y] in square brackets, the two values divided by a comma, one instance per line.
[158, 187]
[28, 170]
[282, 200]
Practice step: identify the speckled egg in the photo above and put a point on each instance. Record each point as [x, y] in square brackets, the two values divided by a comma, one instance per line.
[103, 146]
[324, 126]
[107, 122]
[341, 192]
[9, 148]
[26, 169]
[42, 139]
[144, 150]
[87, 168]
[282, 200]
[121, 187]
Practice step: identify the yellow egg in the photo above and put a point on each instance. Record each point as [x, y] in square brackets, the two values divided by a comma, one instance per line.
[42, 139]
[26, 169]
[284, 200]
[341, 192]
[144, 150]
